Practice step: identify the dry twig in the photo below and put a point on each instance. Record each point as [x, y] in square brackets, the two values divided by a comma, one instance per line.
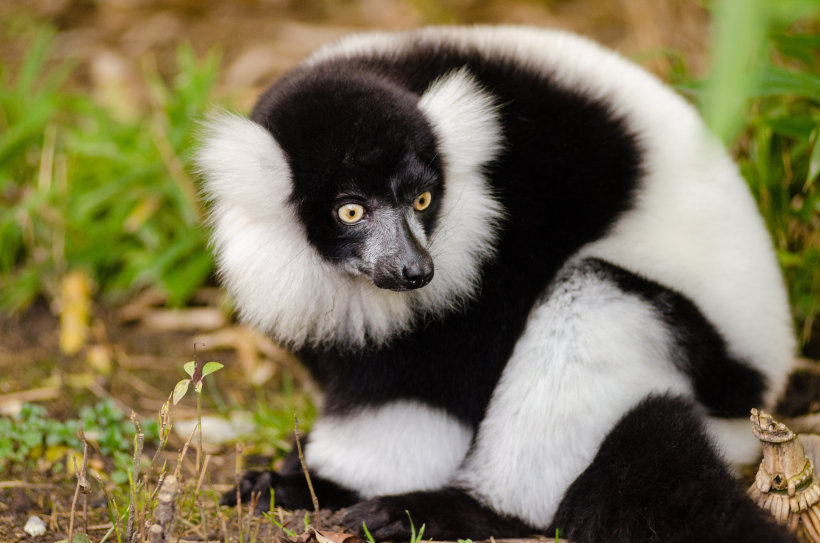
[82, 485]
[132, 507]
[165, 510]
[112, 504]
[220, 516]
[237, 478]
[183, 452]
[307, 475]
[255, 497]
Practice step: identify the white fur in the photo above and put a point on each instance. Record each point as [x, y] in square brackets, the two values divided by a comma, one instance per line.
[695, 228]
[279, 281]
[734, 441]
[465, 120]
[587, 356]
[396, 448]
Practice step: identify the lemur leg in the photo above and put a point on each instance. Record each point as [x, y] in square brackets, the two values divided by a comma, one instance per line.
[590, 353]
[657, 477]
[391, 449]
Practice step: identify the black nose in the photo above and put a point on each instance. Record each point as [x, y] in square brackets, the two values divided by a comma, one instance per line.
[418, 273]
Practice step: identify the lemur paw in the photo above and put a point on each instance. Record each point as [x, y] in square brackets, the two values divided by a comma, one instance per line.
[252, 483]
[446, 514]
[385, 518]
[289, 491]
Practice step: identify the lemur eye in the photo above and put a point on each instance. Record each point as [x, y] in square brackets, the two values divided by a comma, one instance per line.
[351, 213]
[423, 201]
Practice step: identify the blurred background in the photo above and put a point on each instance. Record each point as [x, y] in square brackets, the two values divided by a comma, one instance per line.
[106, 280]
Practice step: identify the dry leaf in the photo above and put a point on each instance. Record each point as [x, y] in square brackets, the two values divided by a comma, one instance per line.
[142, 305]
[198, 318]
[75, 299]
[98, 358]
[333, 537]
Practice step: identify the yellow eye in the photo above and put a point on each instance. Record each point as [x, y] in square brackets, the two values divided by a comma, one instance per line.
[423, 201]
[351, 213]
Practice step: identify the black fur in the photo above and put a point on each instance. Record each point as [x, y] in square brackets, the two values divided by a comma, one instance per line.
[290, 491]
[290, 487]
[350, 137]
[656, 478]
[802, 394]
[569, 169]
[446, 514]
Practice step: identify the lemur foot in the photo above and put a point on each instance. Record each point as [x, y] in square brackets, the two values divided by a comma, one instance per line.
[289, 491]
[446, 514]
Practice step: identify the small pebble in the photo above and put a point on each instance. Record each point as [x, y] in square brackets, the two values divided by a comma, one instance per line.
[35, 526]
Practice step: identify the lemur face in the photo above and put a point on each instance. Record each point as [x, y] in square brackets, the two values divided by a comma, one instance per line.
[367, 180]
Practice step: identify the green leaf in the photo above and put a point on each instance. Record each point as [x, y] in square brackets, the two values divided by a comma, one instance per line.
[198, 387]
[211, 367]
[788, 259]
[814, 162]
[774, 81]
[189, 368]
[739, 31]
[367, 533]
[181, 389]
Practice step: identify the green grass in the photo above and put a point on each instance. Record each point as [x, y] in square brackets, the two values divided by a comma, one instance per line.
[81, 190]
[763, 99]
[273, 416]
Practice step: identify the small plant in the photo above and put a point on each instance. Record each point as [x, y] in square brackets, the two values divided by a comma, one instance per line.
[288, 532]
[413, 537]
[196, 378]
[273, 417]
[367, 533]
[31, 435]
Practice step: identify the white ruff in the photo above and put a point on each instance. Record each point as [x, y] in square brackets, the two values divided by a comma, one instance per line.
[279, 281]
[400, 447]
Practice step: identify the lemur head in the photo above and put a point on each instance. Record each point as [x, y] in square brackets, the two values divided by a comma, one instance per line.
[334, 204]
[367, 178]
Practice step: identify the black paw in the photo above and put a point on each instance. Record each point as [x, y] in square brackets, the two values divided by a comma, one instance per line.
[446, 514]
[252, 483]
[385, 518]
[290, 492]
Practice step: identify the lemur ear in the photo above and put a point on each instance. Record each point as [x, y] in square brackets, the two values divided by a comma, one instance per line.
[465, 119]
[242, 166]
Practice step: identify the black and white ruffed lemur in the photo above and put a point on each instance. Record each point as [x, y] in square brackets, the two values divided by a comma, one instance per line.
[536, 291]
